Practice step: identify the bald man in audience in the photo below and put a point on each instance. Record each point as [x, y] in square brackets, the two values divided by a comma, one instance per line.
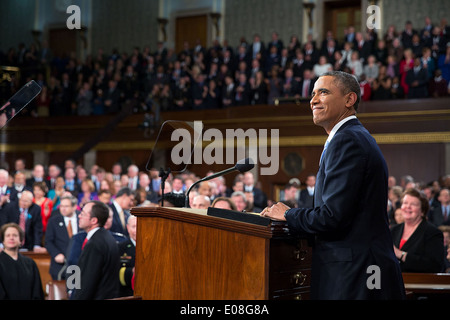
[201, 202]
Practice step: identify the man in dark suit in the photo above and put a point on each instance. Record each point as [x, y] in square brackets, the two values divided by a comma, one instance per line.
[407, 35]
[7, 194]
[417, 80]
[71, 183]
[353, 244]
[38, 175]
[28, 216]
[18, 187]
[307, 83]
[328, 50]
[228, 92]
[120, 207]
[256, 47]
[60, 230]
[440, 214]
[259, 197]
[99, 259]
[306, 196]
[289, 86]
[112, 97]
[242, 91]
[363, 47]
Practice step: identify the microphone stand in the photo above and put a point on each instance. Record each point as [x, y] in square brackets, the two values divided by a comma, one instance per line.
[214, 175]
[163, 174]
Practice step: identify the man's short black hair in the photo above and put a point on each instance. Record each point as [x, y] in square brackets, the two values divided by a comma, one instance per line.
[124, 190]
[100, 211]
[347, 83]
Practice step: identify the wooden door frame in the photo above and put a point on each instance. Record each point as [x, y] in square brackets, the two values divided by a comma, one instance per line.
[323, 12]
[328, 11]
[80, 50]
[187, 13]
[204, 19]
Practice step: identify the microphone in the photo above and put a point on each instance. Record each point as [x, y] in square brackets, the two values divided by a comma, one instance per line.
[242, 166]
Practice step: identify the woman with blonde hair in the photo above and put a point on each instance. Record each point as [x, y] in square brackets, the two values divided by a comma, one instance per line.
[87, 192]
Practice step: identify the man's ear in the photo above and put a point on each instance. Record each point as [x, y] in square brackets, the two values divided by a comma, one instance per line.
[350, 99]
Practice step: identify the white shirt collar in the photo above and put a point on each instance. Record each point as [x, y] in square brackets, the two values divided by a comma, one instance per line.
[338, 125]
[73, 220]
[91, 233]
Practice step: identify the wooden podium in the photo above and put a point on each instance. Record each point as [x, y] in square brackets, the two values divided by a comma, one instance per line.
[185, 254]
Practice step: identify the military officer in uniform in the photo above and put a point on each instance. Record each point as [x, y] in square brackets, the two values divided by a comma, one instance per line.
[127, 252]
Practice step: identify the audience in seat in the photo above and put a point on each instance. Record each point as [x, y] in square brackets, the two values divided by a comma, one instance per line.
[241, 196]
[60, 230]
[440, 213]
[120, 207]
[221, 77]
[418, 245]
[28, 216]
[19, 275]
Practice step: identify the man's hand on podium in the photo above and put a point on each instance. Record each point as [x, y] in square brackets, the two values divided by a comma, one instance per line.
[275, 212]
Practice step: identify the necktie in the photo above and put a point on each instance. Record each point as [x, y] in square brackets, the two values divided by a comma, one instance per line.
[122, 218]
[69, 185]
[445, 213]
[324, 148]
[22, 219]
[305, 88]
[84, 243]
[69, 229]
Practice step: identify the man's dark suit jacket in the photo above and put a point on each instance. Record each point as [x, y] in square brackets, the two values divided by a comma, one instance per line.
[13, 193]
[33, 223]
[425, 248]
[305, 200]
[349, 220]
[99, 268]
[436, 217]
[56, 241]
[421, 90]
[259, 199]
[310, 88]
[364, 51]
[29, 183]
[117, 224]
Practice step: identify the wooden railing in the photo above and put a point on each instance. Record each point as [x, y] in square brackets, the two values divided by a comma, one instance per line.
[429, 285]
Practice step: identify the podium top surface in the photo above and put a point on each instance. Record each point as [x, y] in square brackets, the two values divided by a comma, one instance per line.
[200, 217]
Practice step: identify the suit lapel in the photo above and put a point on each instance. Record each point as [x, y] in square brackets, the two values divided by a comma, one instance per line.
[415, 236]
[351, 122]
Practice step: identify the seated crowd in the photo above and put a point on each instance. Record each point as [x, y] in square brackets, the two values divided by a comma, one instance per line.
[44, 207]
[412, 63]
[53, 197]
